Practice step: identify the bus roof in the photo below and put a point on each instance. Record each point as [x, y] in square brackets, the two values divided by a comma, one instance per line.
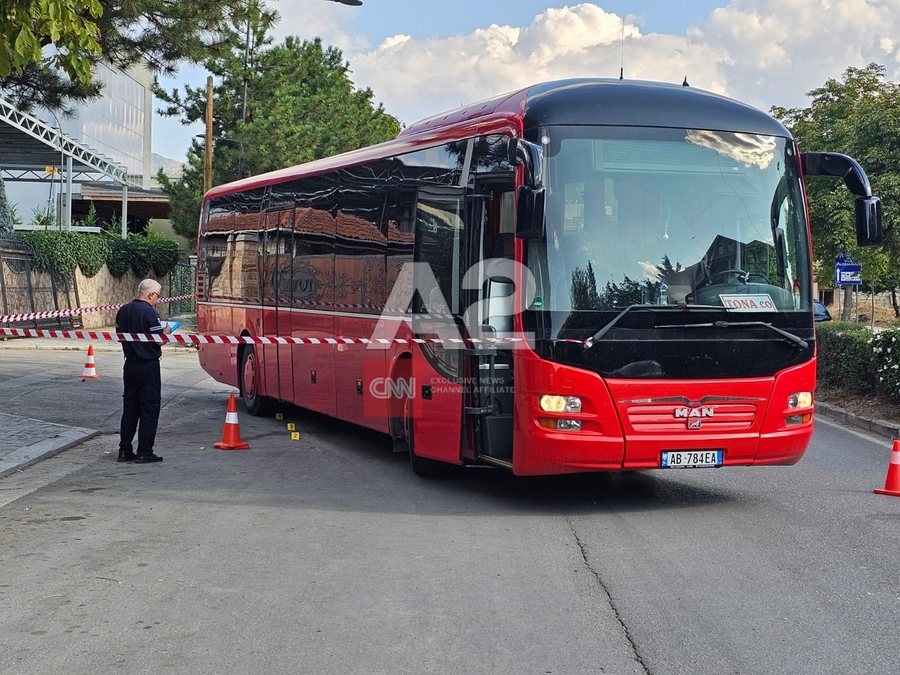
[607, 102]
[643, 104]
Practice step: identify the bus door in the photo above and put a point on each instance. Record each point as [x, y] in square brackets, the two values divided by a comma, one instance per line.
[274, 281]
[488, 294]
[438, 369]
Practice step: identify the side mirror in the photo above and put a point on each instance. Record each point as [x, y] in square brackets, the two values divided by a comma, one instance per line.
[531, 157]
[530, 213]
[869, 231]
[530, 207]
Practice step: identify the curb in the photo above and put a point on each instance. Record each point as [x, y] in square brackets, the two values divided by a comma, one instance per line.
[41, 450]
[883, 428]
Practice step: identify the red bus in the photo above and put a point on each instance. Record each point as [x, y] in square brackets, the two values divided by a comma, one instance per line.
[647, 242]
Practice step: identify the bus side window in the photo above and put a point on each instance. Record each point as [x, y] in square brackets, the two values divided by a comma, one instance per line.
[214, 242]
[245, 250]
[312, 262]
[399, 218]
[361, 242]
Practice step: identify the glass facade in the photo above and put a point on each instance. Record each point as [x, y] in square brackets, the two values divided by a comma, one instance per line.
[114, 124]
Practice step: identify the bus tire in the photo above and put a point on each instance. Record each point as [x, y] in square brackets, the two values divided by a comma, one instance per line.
[421, 466]
[249, 380]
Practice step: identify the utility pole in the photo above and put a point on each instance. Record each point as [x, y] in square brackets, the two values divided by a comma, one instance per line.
[207, 168]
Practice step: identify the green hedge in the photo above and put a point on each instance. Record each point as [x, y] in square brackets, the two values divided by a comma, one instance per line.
[64, 251]
[886, 357]
[853, 358]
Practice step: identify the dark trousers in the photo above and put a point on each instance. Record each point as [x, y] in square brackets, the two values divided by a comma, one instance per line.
[140, 402]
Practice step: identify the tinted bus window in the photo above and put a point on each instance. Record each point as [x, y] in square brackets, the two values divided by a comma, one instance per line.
[360, 245]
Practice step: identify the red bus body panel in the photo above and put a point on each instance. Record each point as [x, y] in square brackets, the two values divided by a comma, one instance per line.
[625, 426]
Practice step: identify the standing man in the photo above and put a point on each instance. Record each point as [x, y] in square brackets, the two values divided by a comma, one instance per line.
[141, 400]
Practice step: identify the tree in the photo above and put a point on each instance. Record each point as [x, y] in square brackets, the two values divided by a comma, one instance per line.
[6, 216]
[859, 116]
[70, 26]
[82, 33]
[301, 106]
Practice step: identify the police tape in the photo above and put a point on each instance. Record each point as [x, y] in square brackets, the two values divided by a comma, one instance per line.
[59, 313]
[195, 339]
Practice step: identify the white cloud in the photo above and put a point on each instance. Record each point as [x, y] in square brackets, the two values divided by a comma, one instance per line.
[780, 49]
[307, 19]
[765, 52]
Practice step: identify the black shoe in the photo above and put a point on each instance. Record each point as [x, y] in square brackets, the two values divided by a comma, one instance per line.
[147, 459]
[126, 456]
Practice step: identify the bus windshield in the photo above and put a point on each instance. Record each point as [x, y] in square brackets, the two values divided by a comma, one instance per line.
[641, 215]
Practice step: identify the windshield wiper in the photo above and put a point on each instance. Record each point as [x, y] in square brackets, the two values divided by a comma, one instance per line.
[679, 307]
[800, 342]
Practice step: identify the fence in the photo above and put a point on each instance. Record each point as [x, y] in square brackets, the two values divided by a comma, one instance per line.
[24, 289]
[181, 282]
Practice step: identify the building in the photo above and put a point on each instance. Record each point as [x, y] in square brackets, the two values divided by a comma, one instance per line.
[60, 165]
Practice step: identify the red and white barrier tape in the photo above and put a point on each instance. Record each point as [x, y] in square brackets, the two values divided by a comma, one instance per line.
[315, 304]
[190, 339]
[13, 318]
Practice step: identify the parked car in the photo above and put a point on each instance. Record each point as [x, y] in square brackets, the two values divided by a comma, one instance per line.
[820, 311]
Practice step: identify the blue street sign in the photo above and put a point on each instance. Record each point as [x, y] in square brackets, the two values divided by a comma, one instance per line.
[847, 274]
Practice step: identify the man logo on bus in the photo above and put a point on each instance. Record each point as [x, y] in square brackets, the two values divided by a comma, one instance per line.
[694, 416]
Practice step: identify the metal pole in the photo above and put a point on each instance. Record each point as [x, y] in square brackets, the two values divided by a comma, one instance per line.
[207, 173]
[244, 100]
[124, 210]
[61, 159]
[67, 216]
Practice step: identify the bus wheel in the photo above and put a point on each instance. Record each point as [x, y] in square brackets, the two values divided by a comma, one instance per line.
[421, 466]
[250, 382]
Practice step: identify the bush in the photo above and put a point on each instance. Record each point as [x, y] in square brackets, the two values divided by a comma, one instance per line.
[885, 348]
[138, 254]
[117, 260]
[845, 358]
[52, 250]
[62, 252]
[91, 251]
[163, 253]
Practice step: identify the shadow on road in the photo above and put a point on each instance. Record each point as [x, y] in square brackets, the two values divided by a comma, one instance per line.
[338, 466]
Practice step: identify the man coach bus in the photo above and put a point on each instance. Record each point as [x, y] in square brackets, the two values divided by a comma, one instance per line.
[660, 261]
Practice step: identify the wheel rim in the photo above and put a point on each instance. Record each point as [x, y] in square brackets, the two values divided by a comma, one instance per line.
[250, 376]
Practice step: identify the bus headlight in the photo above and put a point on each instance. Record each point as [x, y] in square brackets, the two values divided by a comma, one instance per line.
[802, 399]
[558, 404]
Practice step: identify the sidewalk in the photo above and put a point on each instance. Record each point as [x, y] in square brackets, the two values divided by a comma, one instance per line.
[25, 441]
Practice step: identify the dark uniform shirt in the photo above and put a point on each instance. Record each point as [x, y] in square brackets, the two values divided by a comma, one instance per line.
[138, 316]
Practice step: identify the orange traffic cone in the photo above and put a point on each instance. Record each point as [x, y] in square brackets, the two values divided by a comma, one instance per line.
[231, 434]
[90, 371]
[892, 481]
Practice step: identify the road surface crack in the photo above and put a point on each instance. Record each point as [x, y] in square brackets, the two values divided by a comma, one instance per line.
[612, 603]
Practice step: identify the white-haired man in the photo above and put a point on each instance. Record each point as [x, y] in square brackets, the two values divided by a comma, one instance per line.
[143, 387]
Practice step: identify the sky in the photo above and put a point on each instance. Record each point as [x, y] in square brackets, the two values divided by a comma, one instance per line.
[422, 57]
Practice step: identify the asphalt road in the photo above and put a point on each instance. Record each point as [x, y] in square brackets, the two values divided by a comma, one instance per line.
[328, 555]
